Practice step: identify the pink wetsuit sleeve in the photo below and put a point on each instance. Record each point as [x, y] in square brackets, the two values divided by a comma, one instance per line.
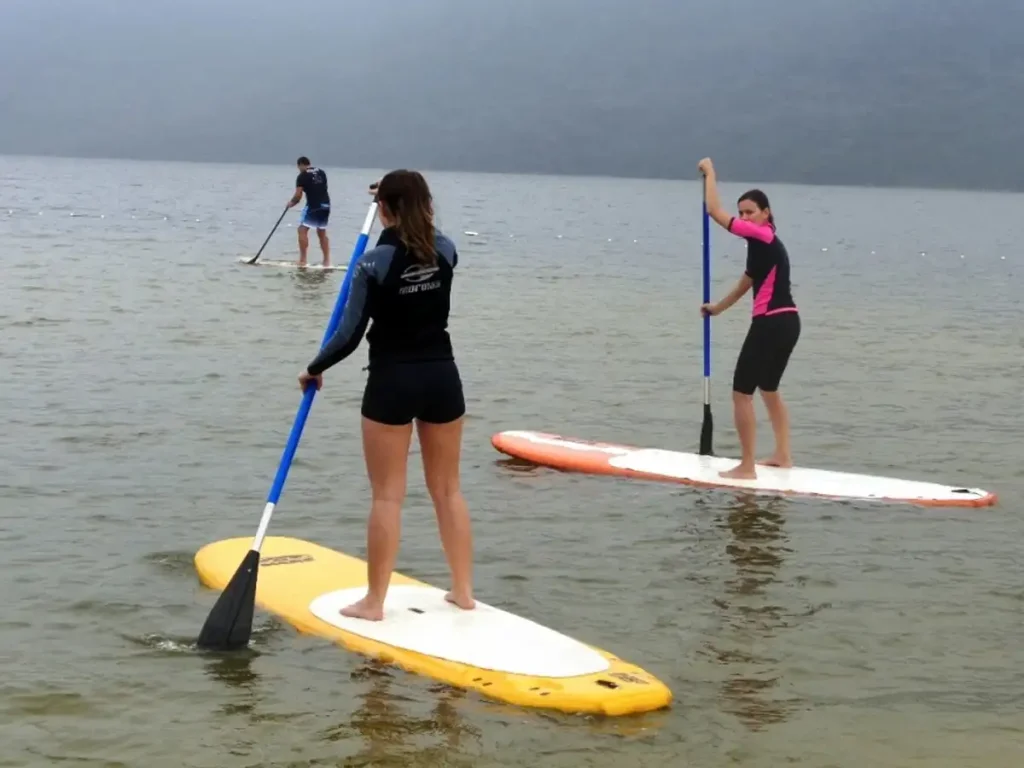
[741, 228]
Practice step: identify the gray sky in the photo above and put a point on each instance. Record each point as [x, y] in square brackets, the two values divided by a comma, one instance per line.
[877, 92]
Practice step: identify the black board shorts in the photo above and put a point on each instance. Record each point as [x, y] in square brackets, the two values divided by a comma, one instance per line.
[429, 391]
[765, 352]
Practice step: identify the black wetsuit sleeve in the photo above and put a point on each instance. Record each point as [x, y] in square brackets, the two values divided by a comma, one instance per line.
[447, 249]
[353, 323]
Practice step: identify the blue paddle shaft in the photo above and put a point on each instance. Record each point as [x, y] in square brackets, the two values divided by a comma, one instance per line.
[310, 391]
[707, 292]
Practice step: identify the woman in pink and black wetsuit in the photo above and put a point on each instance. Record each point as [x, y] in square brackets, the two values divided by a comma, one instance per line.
[774, 327]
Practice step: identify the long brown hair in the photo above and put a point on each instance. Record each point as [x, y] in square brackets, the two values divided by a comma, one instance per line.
[409, 203]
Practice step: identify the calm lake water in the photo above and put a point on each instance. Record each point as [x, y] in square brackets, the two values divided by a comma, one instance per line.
[148, 387]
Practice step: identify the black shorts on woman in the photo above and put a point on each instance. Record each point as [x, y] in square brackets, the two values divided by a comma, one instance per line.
[412, 369]
[775, 325]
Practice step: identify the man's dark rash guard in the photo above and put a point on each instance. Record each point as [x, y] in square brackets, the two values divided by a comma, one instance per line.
[407, 300]
[313, 182]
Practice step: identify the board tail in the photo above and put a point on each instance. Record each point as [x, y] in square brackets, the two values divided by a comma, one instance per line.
[229, 625]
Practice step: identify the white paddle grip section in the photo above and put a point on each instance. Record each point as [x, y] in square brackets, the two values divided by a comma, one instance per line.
[419, 619]
[261, 532]
[370, 216]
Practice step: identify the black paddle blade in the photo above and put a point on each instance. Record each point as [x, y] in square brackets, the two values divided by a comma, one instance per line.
[705, 432]
[229, 625]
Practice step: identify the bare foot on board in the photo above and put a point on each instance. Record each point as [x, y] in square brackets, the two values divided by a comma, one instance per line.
[364, 609]
[464, 602]
[784, 462]
[327, 264]
[739, 472]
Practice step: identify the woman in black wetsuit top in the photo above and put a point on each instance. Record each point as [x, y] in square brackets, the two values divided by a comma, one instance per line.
[404, 285]
[774, 326]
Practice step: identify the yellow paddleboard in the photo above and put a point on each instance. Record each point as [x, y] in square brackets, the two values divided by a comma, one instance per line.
[496, 653]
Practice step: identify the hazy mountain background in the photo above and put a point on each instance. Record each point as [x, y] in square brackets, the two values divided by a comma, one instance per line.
[876, 92]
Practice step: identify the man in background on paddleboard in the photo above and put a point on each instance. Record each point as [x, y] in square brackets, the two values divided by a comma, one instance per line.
[313, 182]
[404, 285]
[774, 327]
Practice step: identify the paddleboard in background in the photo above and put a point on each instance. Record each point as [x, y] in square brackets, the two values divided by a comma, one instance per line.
[573, 455]
[293, 265]
[494, 652]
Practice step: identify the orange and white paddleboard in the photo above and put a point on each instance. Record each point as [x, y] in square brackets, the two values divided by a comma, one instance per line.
[573, 455]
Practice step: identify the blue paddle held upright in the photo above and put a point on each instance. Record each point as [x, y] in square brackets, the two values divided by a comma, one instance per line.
[707, 426]
[310, 392]
[229, 624]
